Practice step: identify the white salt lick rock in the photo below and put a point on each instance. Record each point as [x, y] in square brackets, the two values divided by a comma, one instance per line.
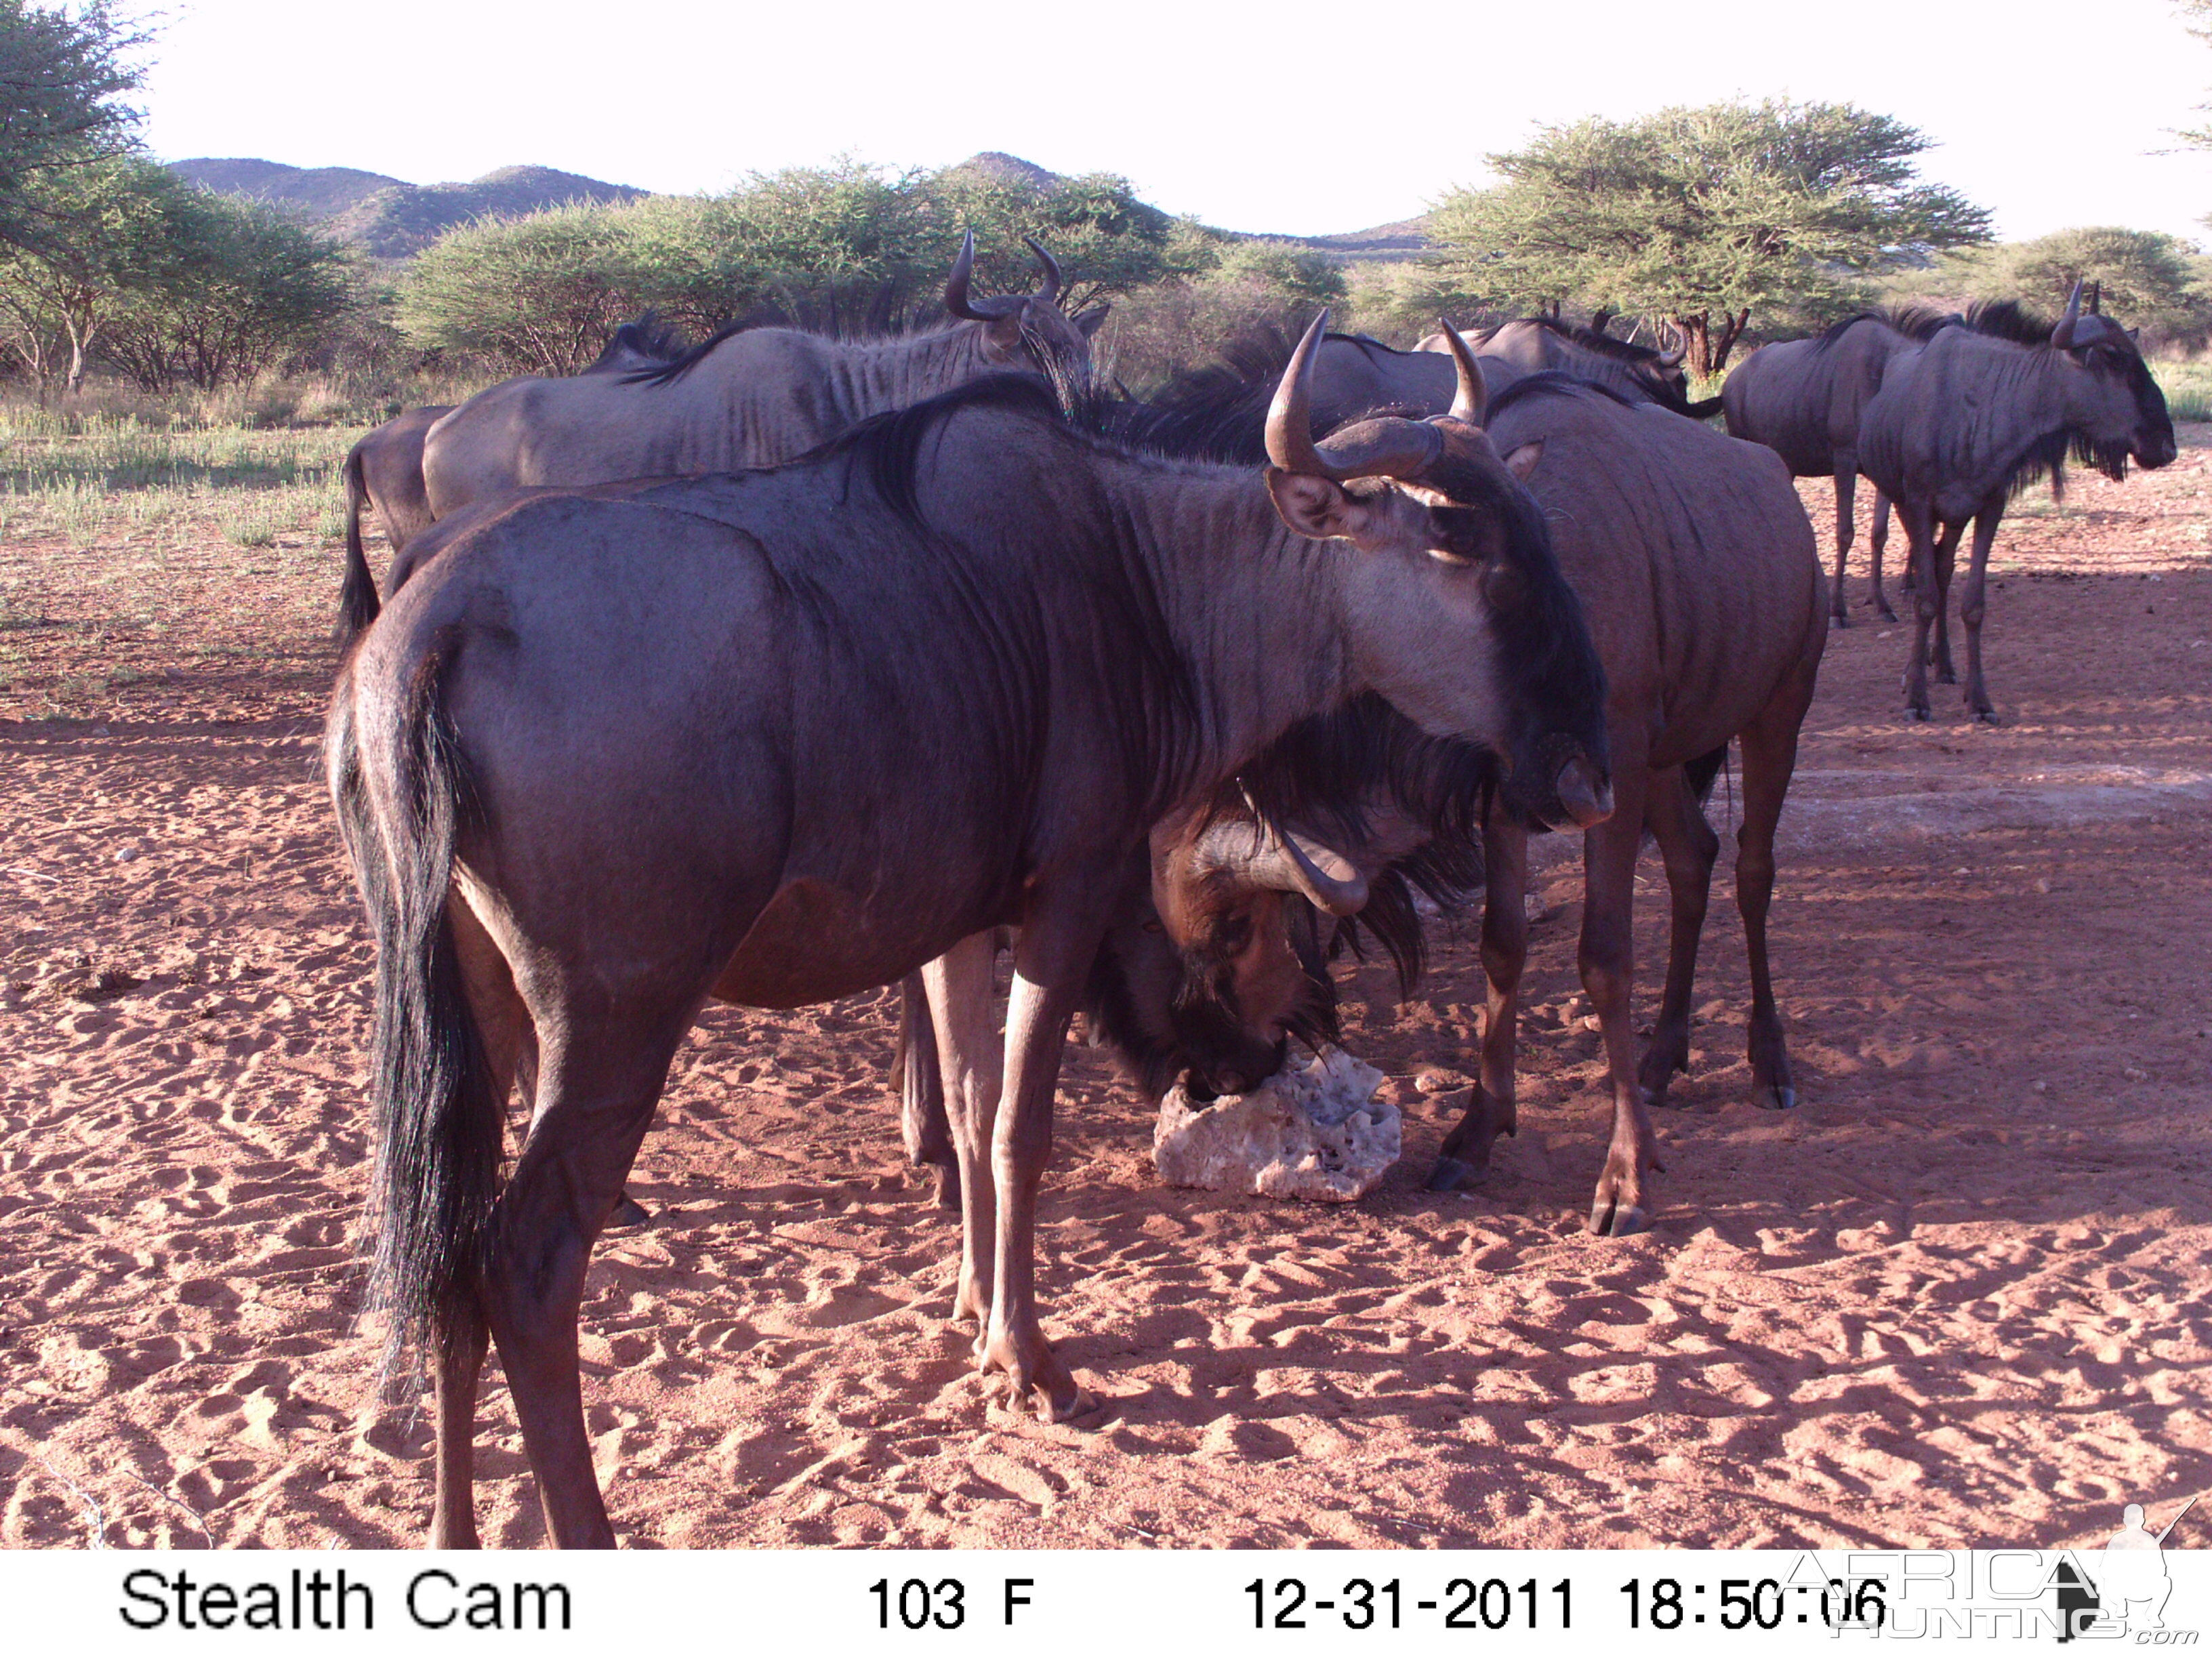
[1314, 1132]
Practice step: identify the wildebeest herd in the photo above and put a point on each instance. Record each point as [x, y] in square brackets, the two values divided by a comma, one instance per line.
[783, 667]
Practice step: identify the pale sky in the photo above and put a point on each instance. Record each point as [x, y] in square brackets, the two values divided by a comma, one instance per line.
[1294, 117]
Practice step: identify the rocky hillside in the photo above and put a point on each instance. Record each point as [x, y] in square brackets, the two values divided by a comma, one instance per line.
[388, 218]
[394, 219]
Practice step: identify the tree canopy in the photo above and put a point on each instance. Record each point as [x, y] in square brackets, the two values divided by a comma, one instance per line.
[2144, 279]
[169, 282]
[61, 73]
[836, 246]
[1700, 217]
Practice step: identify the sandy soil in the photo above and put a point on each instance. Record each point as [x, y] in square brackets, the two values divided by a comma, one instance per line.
[1958, 1297]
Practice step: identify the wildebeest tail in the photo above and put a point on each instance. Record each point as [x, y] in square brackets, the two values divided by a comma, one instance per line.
[437, 1118]
[357, 601]
[1703, 770]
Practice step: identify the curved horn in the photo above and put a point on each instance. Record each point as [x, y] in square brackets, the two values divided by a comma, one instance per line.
[1259, 851]
[1322, 874]
[2063, 336]
[1671, 357]
[956, 285]
[1388, 447]
[1050, 292]
[1471, 398]
[1289, 416]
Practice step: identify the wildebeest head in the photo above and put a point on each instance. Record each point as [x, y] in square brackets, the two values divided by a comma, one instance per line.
[1028, 332]
[2122, 412]
[1408, 490]
[1228, 959]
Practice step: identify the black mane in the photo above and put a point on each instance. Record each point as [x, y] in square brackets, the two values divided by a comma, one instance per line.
[888, 446]
[879, 324]
[1915, 322]
[1594, 340]
[2010, 320]
[647, 335]
[1559, 381]
[1329, 772]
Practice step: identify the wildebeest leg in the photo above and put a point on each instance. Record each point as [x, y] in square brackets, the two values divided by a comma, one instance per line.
[1052, 960]
[1973, 603]
[1947, 555]
[600, 1080]
[1920, 538]
[1876, 542]
[1608, 971]
[510, 1049]
[961, 998]
[1688, 845]
[1464, 1158]
[923, 1125]
[1847, 475]
[1770, 757]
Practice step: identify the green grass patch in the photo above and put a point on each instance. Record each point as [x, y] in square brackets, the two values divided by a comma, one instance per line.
[2187, 386]
[91, 476]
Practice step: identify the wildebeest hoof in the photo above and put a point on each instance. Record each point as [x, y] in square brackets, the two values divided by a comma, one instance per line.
[628, 1212]
[1610, 1219]
[1839, 619]
[948, 1186]
[1916, 714]
[1987, 717]
[1778, 1096]
[1034, 1375]
[1451, 1175]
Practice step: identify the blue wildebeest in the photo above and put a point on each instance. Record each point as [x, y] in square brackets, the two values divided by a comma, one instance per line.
[752, 397]
[1803, 398]
[1698, 573]
[785, 736]
[384, 471]
[1982, 411]
[1530, 345]
[1219, 409]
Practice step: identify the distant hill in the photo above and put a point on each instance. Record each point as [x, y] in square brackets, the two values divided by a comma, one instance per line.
[1385, 243]
[388, 218]
[395, 220]
[1007, 169]
[319, 192]
[1402, 240]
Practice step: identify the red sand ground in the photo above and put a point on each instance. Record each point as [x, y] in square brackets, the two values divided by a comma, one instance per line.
[1958, 1297]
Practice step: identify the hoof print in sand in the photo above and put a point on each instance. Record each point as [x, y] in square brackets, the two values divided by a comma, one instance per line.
[1314, 1130]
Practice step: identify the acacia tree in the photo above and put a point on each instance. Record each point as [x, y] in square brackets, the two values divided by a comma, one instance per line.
[535, 295]
[246, 287]
[1700, 217]
[824, 247]
[829, 246]
[1109, 242]
[114, 233]
[61, 73]
[2144, 278]
[1223, 291]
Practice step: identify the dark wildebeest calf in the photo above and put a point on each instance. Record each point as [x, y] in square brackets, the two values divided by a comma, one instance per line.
[1803, 398]
[1982, 411]
[784, 736]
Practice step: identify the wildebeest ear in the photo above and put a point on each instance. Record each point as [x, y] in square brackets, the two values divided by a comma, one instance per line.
[1314, 507]
[1089, 321]
[1522, 461]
